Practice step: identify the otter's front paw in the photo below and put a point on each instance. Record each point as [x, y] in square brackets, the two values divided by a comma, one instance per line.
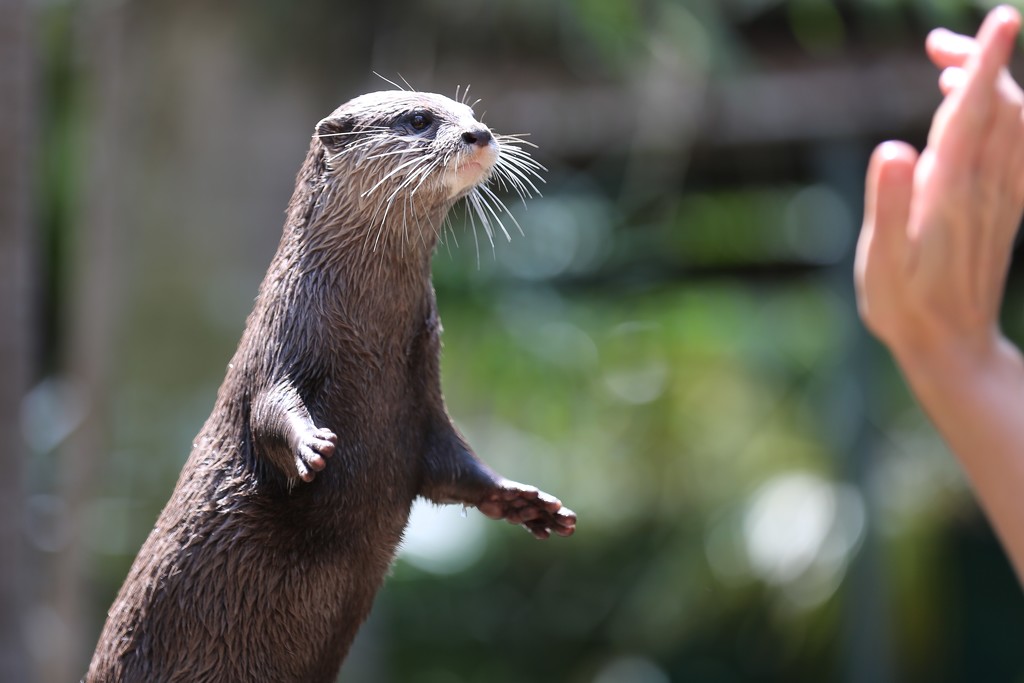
[312, 451]
[540, 513]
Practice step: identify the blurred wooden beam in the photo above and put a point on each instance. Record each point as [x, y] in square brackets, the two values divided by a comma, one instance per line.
[874, 94]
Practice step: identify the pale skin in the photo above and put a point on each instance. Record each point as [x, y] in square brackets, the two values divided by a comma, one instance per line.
[932, 261]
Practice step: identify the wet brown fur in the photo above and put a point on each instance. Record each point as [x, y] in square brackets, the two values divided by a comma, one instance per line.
[278, 535]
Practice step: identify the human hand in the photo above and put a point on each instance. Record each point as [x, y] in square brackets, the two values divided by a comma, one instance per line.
[950, 51]
[938, 229]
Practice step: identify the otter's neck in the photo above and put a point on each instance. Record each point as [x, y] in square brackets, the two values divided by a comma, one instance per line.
[348, 264]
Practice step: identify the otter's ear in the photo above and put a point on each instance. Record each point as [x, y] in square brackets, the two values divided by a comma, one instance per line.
[334, 131]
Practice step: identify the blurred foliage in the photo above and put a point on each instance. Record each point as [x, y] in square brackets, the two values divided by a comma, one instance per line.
[671, 345]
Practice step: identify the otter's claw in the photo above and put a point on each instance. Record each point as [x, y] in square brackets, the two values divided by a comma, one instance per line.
[538, 512]
[311, 454]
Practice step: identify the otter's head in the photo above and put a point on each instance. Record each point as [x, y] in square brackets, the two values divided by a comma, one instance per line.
[409, 156]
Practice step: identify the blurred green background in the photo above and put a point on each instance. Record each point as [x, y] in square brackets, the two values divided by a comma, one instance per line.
[671, 346]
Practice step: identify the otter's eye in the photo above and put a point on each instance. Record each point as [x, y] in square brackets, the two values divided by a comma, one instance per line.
[420, 121]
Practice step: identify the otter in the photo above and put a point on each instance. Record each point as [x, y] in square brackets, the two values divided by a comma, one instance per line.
[330, 420]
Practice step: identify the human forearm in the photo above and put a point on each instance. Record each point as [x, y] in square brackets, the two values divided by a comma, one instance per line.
[975, 398]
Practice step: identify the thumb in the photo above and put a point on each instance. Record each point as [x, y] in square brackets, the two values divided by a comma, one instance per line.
[890, 186]
[883, 244]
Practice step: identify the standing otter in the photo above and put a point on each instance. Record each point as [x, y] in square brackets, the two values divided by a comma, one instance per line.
[330, 420]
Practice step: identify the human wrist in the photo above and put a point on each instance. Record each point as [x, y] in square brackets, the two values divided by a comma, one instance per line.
[937, 359]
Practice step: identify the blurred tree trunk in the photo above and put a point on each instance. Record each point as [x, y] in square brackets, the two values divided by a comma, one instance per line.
[16, 133]
[91, 312]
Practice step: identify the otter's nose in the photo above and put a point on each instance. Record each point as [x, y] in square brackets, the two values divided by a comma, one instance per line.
[480, 137]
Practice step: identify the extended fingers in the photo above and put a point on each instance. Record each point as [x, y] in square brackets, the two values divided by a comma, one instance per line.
[965, 114]
[999, 162]
[995, 45]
